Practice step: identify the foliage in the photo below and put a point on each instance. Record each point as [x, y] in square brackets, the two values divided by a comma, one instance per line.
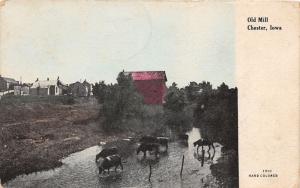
[195, 90]
[99, 90]
[213, 110]
[177, 116]
[175, 99]
[120, 101]
[216, 114]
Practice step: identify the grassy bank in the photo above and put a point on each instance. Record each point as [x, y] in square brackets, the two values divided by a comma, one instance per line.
[15, 100]
[35, 136]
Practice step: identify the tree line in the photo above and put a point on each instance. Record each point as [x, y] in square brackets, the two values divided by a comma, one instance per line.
[214, 111]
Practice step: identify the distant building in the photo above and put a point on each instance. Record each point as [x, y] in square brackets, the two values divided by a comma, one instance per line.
[7, 83]
[88, 86]
[79, 89]
[22, 89]
[151, 85]
[47, 87]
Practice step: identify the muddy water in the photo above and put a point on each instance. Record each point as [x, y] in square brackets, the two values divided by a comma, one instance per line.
[80, 170]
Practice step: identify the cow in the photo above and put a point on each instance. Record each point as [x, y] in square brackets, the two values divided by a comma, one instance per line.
[148, 139]
[106, 152]
[144, 147]
[158, 140]
[163, 141]
[110, 161]
[204, 142]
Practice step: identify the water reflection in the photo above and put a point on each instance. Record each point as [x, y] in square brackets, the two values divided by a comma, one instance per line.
[112, 176]
[183, 144]
[145, 161]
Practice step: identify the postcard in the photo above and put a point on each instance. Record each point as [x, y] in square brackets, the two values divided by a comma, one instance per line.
[149, 94]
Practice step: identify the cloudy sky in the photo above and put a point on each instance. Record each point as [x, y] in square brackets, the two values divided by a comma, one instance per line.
[94, 40]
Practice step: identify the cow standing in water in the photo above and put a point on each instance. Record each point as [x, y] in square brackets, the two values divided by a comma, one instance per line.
[110, 161]
[158, 140]
[144, 147]
[148, 139]
[163, 141]
[106, 152]
[204, 142]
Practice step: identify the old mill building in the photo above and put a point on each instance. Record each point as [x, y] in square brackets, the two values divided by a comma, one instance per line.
[150, 84]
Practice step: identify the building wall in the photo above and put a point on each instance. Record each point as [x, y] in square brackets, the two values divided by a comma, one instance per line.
[153, 91]
[3, 84]
[17, 90]
[21, 90]
[32, 91]
[54, 90]
[59, 91]
[78, 89]
[25, 90]
[39, 91]
[88, 88]
[7, 85]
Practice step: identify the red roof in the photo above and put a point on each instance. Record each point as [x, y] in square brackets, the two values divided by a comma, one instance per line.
[148, 75]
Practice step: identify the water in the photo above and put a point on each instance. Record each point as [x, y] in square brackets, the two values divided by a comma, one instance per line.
[80, 170]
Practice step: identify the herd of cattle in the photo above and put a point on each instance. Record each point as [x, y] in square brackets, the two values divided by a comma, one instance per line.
[111, 158]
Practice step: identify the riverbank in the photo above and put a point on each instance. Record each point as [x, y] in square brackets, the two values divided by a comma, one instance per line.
[226, 169]
[79, 169]
[36, 136]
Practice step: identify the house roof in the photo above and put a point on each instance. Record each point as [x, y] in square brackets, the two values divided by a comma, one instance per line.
[44, 83]
[11, 80]
[75, 83]
[148, 75]
[86, 83]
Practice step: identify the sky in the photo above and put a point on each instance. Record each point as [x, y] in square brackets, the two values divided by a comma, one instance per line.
[95, 40]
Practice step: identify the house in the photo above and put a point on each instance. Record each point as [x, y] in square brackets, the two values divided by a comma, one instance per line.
[151, 85]
[88, 86]
[47, 87]
[79, 89]
[7, 83]
[22, 89]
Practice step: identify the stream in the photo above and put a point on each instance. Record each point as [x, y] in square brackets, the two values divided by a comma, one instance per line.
[80, 170]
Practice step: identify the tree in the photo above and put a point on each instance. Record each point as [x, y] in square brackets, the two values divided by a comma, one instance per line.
[194, 90]
[205, 87]
[175, 99]
[216, 114]
[99, 91]
[120, 101]
[176, 115]
[223, 89]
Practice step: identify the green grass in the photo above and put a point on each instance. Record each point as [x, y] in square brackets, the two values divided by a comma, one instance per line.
[11, 99]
